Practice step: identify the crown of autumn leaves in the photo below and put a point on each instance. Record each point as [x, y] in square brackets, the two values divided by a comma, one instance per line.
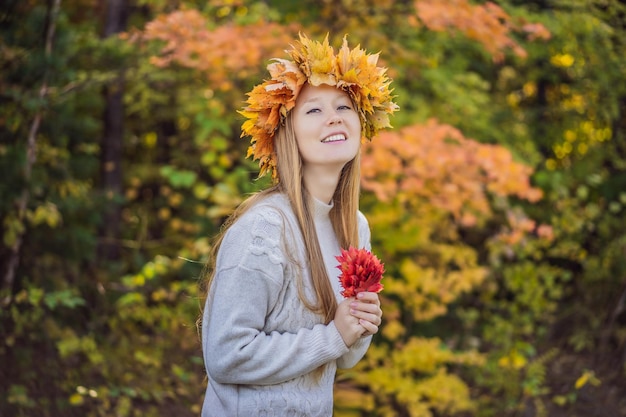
[315, 63]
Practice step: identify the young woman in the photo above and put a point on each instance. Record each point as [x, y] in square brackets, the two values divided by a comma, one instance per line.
[275, 327]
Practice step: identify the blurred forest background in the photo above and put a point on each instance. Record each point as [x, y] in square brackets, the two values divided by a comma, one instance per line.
[497, 202]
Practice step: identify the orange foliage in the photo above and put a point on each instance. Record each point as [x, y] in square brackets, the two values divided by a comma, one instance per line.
[486, 23]
[221, 53]
[436, 163]
[519, 227]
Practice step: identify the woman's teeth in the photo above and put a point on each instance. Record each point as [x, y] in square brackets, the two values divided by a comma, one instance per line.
[334, 138]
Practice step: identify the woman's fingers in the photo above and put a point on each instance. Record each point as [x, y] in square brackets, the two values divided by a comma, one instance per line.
[368, 297]
[347, 324]
[369, 312]
[367, 309]
[370, 329]
[358, 317]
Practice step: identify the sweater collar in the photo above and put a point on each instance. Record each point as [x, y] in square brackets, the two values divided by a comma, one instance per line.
[321, 210]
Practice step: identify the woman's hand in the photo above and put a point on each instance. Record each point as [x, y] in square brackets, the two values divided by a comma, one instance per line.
[366, 308]
[358, 316]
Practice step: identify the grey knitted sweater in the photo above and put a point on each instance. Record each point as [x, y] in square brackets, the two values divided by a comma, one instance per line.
[260, 342]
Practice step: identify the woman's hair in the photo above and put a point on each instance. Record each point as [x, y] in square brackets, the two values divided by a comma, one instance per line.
[343, 216]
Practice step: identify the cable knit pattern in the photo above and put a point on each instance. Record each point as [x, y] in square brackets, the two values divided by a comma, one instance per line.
[260, 343]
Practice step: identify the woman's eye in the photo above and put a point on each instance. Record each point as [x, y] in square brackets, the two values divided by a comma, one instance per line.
[344, 107]
[316, 110]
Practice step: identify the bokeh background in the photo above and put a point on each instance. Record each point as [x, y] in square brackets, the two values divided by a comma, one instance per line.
[497, 202]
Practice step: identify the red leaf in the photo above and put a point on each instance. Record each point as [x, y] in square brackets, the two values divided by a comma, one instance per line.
[360, 271]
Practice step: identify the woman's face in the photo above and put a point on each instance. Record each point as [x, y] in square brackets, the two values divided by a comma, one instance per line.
[327, 127]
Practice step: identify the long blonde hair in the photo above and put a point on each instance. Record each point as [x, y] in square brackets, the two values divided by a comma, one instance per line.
[343, 216]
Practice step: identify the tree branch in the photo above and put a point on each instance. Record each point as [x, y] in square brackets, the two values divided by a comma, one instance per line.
[31, 156]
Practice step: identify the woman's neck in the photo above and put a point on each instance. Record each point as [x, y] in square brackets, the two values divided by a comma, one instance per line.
[321, 183]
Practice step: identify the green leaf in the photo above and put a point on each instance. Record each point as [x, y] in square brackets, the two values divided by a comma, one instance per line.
[178, 178]
[64, 298]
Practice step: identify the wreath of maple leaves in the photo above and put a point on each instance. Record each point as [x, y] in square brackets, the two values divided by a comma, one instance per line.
[352, 70]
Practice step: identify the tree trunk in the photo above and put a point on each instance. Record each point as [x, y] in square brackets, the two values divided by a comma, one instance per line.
[111, 145]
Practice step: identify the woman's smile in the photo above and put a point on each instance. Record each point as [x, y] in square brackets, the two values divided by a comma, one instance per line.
[339, 137]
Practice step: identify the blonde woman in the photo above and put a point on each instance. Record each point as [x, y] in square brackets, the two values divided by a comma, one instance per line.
[275, 327]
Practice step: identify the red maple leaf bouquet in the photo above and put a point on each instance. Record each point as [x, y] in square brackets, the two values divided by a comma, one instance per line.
[361, 271]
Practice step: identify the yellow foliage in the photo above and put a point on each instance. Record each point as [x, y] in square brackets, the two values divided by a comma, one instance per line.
[348, 398]
[159, 295]
[159, 266]
[446, 393]
[514, 360]
[13, 228]
[587, 377]
[415, 375]
[145, 359]
[393, 330]
[562, 60]
[433, 288]
[76, 399]
[164, 213]
[47, 213]
[421, 355]
[150, 139]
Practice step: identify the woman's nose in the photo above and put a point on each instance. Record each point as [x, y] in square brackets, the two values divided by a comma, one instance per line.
[335, 119]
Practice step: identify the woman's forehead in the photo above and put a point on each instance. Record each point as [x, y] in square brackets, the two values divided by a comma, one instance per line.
[313, 93]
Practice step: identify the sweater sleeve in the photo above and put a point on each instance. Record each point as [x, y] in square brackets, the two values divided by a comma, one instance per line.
[250, 272]
[355, 353]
